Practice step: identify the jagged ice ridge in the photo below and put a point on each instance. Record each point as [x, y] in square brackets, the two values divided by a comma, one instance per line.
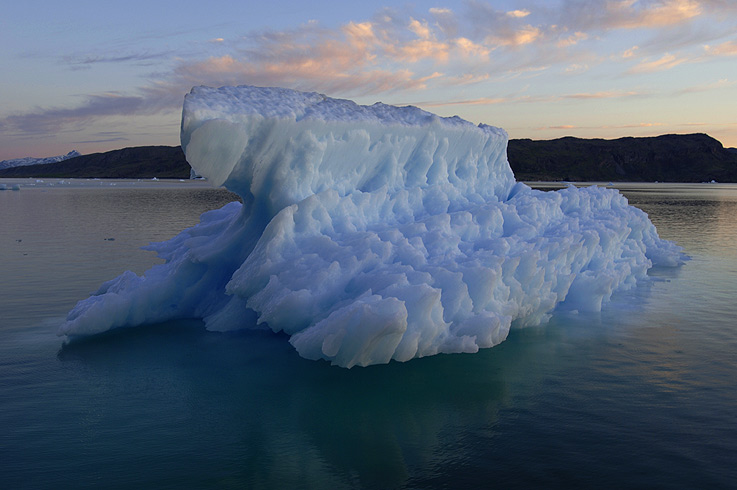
[372, 233]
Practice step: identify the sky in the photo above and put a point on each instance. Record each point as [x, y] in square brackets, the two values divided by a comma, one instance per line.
[97, 75]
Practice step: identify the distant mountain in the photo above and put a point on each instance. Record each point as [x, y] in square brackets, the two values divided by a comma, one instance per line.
[22, 162]
[667, 158]
[141, 162]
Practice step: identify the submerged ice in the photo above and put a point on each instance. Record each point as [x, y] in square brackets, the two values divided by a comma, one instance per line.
[372, 233]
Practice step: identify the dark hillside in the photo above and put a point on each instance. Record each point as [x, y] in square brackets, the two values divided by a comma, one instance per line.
[667, 158]
[142, 162]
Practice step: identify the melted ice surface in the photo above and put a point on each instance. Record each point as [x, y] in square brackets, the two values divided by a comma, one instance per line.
[372, 233]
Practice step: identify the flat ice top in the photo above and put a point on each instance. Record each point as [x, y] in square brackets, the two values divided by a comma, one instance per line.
[275, 147]
[273, 102]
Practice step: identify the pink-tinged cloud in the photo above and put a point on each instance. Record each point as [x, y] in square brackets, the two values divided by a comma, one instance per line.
[419, 41]
[665, 13]
[497, 29]
[567, 127]
[572, 40]
[356, 60]
[601, 95]
[469, 49]
[666, 62]
[629, 53]
[577, 68]
[628, 14]
[466, 79]
[519, 37]
[728, 48]
[638, 125]
[480, 101]
[445, 21]
[338, 75]
[421, 49]
[708, 87]
[518, 14]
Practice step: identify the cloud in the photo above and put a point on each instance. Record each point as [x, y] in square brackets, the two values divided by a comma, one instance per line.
[426, 46]
[533, 99]
[356, 60]
[629, 53]
[525, 35]
[497, 28]
[518, 14]
[728, 48]
[636, 125]
[601, 95]
[53, 120]
[470, 49]
[466, 79]
[420, 29]
[602, 127]
[445, 20]
[708, 87]
[520, 36]
[86, 61]
[101, 140]
[572, 40]
[666, 62]
[576, 68]
[382, 55]
[626, 14]
[478, 101]
[666, 13]
[394, 53]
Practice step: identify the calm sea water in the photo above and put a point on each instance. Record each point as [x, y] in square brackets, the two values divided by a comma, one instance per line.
[642, 395]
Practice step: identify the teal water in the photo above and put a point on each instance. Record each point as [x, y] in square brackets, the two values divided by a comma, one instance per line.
[641, 395]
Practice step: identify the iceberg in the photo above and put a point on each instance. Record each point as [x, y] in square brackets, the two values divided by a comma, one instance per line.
[373, 233]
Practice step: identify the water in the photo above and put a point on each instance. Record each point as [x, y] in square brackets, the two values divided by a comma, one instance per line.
[641, 395]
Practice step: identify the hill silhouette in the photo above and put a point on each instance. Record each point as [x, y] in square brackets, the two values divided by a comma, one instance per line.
[666, 158]
[140, 162]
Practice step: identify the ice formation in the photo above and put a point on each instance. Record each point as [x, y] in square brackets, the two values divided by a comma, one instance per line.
[372, 233]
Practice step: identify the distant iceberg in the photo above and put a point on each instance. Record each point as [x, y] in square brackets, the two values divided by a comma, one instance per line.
[372, 233]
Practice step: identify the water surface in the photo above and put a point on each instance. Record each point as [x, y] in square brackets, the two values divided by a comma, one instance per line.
[640, 395]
